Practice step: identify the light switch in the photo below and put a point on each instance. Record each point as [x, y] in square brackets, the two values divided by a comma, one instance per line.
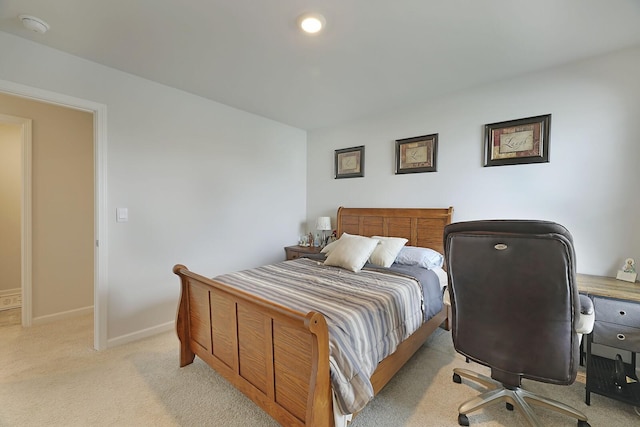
[122, 214]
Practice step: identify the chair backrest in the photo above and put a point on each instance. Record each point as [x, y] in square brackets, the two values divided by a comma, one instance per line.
[514, 299]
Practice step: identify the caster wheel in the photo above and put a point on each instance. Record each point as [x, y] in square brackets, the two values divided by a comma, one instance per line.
[583, 424]
[463, 420]
[457, 380]
[509, 406]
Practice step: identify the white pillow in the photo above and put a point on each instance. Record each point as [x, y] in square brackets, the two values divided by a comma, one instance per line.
[385, 253]
[424, 257]
[351, 252]
[327, 249]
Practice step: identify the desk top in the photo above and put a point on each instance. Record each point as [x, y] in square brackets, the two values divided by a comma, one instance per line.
[608, 287]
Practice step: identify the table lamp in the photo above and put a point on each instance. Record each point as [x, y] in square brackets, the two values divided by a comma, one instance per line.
[323, 223]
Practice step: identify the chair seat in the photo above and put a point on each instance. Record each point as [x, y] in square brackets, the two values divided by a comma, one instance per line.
[584, 322]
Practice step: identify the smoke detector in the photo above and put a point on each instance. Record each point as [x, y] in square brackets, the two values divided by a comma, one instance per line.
[34, 24]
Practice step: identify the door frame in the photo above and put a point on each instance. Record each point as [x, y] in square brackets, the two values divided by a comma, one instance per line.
[100, 276]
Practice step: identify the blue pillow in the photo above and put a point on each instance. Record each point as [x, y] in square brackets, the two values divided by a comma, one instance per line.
[423, 257]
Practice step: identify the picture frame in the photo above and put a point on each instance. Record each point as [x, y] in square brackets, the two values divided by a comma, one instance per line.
[417, 154]
[628, 271]
[349, 162]
[517, 141]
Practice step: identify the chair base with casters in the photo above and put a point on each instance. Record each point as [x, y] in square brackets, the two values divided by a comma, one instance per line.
[513, 397]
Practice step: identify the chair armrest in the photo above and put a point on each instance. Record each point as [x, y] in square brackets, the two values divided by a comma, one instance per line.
[586, 317]
[586, 305]
[446, 298]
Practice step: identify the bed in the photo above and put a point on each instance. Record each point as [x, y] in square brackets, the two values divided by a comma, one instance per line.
[279, 357]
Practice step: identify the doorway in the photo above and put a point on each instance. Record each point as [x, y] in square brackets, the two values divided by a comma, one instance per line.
[99, 242]
[15, 140]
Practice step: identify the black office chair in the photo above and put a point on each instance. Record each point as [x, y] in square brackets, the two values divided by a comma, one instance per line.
[516, 309]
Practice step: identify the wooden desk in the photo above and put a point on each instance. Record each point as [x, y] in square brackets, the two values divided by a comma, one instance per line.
[617, 325]
[608, 287]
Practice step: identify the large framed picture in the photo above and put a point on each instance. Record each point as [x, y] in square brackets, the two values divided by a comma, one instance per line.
[517, 141]
[350, 162]
[417, 154]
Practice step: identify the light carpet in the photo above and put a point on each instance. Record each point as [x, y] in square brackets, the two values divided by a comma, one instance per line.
[10, 317]
[50, 376]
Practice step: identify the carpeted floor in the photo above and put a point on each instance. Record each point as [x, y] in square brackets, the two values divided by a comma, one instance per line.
[10, 317]
[49, 375]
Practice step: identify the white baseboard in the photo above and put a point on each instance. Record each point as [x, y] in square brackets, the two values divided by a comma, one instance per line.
[10, 298]
[63, 315]
[145, 333]
[112, 342]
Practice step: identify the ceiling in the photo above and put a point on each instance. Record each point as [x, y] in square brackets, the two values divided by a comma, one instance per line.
[374, 55]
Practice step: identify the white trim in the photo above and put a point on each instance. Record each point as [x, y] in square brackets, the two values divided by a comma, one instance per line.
[10, 298]
[62, 315]
[27, 223]
[101, 288]
[25, 213]
[144, 333]
[101, 284]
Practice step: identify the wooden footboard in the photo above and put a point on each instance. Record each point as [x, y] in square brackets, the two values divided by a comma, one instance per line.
[277, 357]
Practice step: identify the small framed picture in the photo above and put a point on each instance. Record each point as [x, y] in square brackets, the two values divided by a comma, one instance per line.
[628, 271]
[350, 162]
[517, 141]
[417, 154]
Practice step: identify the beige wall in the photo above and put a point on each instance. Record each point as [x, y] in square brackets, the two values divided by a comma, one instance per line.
[62, 204]
[10, 143]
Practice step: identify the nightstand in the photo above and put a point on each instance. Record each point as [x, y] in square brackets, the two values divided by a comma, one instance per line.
[294, 252]
[617, 325]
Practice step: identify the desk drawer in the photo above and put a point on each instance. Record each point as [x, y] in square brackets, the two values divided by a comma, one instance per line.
[618, 336]
[617, 311]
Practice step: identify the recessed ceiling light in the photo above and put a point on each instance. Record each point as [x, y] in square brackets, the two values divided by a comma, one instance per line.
[34, 24]
[311, 23]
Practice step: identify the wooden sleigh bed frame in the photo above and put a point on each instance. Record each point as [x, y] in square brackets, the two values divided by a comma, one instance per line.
[278, 357]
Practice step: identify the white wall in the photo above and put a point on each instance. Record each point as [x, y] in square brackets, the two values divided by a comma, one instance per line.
[590, 184]
[208, 186]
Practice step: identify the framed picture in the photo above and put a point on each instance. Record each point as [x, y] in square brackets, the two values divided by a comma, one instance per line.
[350, 162]
[628, 272]
[517, 141]
[417, 154]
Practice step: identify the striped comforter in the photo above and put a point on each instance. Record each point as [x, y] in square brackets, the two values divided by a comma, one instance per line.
[368, 314]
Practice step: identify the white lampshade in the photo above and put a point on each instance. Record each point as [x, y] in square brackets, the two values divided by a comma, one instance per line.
[323, 223]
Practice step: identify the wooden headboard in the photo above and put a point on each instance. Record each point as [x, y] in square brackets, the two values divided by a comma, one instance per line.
[423, 227]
